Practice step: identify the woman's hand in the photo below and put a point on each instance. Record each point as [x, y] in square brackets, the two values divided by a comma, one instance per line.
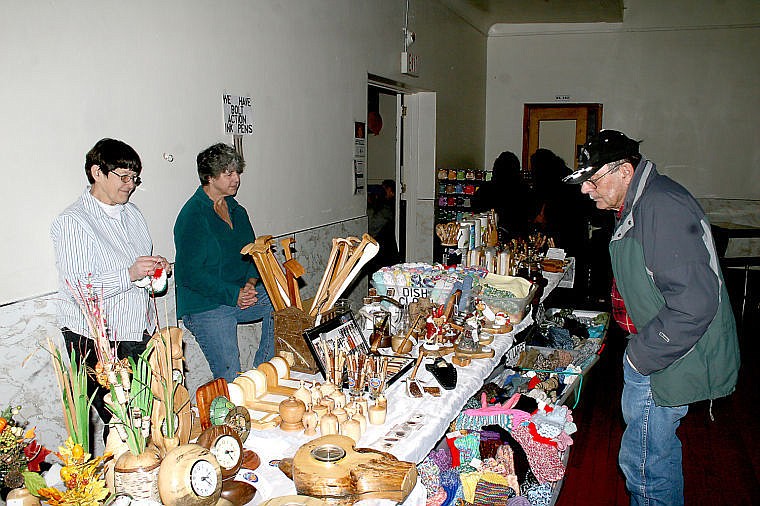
[146, 266]
[248, 295]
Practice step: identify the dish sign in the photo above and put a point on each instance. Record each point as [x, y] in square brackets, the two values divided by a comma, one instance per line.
[238, 115]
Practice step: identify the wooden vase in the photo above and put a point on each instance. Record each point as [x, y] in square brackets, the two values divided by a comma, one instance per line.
[137, 475]
[21, 497]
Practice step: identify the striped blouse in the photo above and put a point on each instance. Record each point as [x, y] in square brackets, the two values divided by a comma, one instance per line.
[91, 246]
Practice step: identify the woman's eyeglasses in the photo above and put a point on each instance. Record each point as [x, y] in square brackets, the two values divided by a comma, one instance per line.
[126, 178]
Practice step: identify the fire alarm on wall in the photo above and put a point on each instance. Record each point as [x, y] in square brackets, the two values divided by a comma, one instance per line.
[410, 63]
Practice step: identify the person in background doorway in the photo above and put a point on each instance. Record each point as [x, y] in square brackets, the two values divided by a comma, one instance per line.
[217, 287]
[668, 294]
[102, 240]
[508, 195]
[381, 218]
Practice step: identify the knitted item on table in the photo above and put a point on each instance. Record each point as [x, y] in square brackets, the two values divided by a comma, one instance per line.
[505, 457]
[469, 449]
[468, 421]
[489, 443]
[494, 466]
[539, 395]
[469, 482]
[442, 459]
[453, 486]
[438, 497]
[560, 338]
[519, 500]
[539, 438]
[472, 403]
[564, 358]
[540, 495]
[491, 494]
[519, 458]
[544, 459]
[453, 451]
[525, 403]
[429, 475]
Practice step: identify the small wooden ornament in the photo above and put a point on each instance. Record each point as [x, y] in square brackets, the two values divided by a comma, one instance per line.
[310, 423]
[352, 429]
[327, 388]
[328, 424]
[316, 395]
[303, 394]
[340, 414]
[340, 398]
[291, 414]
[377, 414]
[320, 410]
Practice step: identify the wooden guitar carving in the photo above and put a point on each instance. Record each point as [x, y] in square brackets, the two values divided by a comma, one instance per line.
[330, 468]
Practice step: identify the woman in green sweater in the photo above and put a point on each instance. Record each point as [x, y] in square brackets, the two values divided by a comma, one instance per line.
[217, 287]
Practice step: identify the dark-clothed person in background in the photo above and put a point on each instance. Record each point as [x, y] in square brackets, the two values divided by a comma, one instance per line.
[668, 294]
[508, 195]
[381, 218]
[217, 287]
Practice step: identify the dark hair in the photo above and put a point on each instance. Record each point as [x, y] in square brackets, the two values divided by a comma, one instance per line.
[110, 154]
[215, 159]
[389, 183]
[548, 169]
[506, 168]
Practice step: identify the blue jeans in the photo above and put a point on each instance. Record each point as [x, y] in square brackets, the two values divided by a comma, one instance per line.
[216, 333]
[650, 452]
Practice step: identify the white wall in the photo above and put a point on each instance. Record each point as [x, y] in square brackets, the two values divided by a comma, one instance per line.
[681, 75]
[153, 73]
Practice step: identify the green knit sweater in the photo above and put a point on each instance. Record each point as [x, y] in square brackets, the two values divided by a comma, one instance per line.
[209, 268]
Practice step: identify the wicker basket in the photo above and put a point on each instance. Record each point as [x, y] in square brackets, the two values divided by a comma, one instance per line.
[289, 325]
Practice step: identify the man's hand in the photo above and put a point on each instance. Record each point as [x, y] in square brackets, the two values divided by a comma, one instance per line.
[146, 266]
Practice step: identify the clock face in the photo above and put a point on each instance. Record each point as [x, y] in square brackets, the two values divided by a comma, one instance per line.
[227, 451]
[224, 443]
[203, 478]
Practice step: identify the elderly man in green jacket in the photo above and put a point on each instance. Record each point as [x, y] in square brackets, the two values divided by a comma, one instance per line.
[668, 294]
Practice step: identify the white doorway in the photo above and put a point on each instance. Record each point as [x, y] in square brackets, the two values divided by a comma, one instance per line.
[403, 150]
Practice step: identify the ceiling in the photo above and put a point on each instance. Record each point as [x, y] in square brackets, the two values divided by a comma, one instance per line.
[482, 14]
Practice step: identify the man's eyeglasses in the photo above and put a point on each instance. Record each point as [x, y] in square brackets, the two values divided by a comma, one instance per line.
[593, 182]
[126, 178]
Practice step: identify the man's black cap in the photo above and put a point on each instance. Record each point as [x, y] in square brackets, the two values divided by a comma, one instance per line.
[605, 147]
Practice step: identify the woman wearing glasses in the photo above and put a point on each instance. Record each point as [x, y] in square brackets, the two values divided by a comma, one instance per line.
[102, 240]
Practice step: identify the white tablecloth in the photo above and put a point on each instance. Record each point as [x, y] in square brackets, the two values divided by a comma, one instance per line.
[438, 413]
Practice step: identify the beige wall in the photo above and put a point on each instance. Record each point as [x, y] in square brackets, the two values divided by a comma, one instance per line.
[680, 75]
[153, 73]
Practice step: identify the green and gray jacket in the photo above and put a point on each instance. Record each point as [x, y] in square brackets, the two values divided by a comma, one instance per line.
[666, 268]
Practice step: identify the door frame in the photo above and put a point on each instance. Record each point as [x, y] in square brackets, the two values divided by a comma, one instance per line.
[415, 166]
[588, 121]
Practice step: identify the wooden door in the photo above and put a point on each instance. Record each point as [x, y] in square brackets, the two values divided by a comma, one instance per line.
[578, 122]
